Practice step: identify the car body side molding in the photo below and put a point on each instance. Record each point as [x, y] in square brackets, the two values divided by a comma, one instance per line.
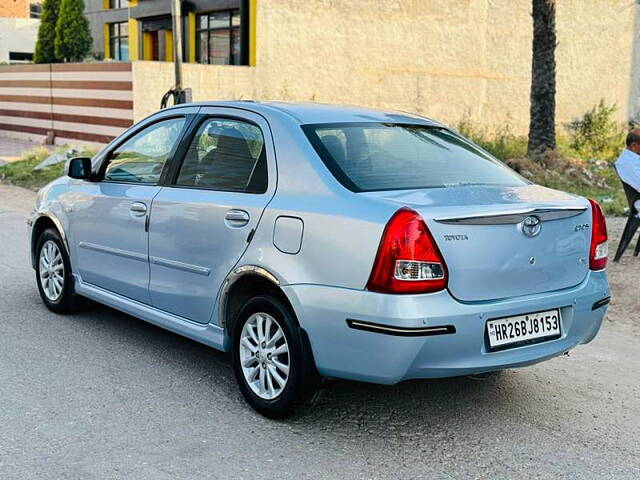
[187, 267]
[113, 251]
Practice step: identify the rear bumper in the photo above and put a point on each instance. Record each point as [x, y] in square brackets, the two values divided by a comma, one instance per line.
[373, 355]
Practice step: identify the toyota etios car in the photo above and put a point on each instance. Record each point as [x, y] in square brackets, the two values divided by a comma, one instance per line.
[320, 241]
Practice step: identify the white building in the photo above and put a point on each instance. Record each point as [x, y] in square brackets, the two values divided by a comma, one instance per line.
[17, 39]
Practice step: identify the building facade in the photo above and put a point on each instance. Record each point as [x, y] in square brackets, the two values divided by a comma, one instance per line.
[450, 60]
[214, 31]
[18, 30]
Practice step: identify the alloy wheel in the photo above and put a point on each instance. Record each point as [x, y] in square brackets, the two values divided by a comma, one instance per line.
[264, 356]
[51, 270]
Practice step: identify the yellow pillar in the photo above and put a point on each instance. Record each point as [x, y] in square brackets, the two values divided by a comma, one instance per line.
[147, 46]
[134, 45]
[168, 45]
[252, 31]
[106, 40]
[134, 49]
[192, 37]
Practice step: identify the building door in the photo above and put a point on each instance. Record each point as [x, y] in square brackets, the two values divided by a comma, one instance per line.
[155, 46]
[154, 38]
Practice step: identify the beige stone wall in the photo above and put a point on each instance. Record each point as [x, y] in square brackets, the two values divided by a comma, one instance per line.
[444, 59]
[152, 79]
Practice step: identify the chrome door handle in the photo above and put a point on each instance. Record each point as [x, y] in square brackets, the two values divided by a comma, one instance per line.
[138, 209]
[236, 218]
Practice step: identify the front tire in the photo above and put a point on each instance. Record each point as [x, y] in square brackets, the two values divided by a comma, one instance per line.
[271, 358]
[53, 274]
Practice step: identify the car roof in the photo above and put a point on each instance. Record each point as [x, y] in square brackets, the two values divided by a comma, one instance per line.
[311, 112]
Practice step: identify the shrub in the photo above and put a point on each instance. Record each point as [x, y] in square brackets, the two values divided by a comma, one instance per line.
[596, 134]
[45, 45]
[73, 40]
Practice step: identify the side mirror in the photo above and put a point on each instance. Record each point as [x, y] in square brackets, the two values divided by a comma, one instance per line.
[79, 167]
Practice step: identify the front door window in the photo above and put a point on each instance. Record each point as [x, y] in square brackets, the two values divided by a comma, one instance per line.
[141, 158]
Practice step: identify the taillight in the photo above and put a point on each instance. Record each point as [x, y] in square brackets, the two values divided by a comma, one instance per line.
[408, 259]
[599, 250]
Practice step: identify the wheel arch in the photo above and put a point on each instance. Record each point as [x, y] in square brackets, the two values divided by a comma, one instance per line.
[44, 221]
[243, 283]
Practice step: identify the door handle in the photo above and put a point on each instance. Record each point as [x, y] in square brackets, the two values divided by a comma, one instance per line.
[236, 218]
[138, 209]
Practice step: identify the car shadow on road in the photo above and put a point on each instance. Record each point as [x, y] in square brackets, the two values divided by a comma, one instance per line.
[411, 407]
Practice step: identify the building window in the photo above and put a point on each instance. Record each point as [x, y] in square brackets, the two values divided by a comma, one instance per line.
[20, 56]
[118, 3]
[119, 40]
[34, 10]
[218, 38]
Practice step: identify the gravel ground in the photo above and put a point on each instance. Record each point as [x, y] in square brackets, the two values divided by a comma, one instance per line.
[102, 395]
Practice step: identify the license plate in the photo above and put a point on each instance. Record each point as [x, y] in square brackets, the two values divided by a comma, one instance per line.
[523, 328]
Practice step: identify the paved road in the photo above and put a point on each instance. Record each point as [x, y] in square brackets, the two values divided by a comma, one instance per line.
[101, 395]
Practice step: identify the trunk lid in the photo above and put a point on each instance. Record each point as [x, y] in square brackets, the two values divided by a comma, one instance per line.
[491, 241]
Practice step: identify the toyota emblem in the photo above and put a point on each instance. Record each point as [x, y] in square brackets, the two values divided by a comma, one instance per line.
[531, 226]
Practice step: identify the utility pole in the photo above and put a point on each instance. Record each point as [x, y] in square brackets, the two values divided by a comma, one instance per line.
[176, 16]
[179, 94]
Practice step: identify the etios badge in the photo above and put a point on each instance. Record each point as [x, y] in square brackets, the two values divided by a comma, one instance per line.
[531, 226]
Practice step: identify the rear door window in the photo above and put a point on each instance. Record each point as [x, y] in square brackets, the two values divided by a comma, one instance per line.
[226, 154]
[377, 156]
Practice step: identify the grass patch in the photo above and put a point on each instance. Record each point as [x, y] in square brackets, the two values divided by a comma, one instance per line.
[501, 142]
[21, 172]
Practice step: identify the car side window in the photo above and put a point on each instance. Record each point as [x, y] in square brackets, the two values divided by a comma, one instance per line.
[141, 158]
[226, 155]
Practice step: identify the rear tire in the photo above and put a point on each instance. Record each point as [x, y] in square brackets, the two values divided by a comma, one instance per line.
[53, 274]
[271, 358]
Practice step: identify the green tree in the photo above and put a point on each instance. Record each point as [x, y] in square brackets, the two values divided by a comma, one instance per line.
[45, 45]
[542, 126]
[73, 40]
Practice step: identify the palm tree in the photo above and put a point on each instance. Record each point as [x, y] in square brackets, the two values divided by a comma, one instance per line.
[542, 126]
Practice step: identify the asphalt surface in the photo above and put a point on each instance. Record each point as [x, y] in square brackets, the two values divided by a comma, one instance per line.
[101, 395]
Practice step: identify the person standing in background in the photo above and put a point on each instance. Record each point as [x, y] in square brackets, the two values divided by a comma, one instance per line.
[628, 163]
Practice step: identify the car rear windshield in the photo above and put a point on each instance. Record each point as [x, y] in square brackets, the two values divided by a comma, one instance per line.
[390, 156]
